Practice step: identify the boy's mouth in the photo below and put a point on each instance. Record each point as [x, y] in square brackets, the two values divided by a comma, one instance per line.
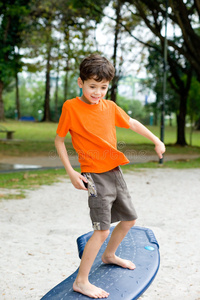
[95, 98]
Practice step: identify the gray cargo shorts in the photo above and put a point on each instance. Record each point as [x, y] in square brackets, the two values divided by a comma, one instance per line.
[109, 199]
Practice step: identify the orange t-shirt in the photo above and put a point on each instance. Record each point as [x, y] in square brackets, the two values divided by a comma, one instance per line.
[93, 132]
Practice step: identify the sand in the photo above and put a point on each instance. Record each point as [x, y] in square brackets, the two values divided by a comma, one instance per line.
[38, 234]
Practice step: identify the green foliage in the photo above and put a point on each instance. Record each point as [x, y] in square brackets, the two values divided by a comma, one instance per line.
[133, 107]
[31, 100]
[91, 8]
[11, 25]
[31, 93]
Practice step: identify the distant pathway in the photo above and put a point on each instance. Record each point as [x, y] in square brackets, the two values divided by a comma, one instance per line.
[52, 160]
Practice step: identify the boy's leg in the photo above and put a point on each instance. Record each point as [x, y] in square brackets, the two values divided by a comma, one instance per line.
[82, 284]
[116, 238]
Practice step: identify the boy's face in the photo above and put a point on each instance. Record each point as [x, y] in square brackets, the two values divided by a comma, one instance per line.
[93, 90]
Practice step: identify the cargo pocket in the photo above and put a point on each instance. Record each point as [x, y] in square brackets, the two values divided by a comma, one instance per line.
[92, 191]
[94, 202]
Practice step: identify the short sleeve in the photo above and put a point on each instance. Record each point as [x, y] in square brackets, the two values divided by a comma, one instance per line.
[121, 117]
[64, 122]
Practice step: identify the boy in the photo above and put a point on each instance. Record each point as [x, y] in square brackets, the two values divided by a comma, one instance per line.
[91, 121]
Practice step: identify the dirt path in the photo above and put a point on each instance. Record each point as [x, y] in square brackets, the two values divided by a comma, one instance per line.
[52, 160]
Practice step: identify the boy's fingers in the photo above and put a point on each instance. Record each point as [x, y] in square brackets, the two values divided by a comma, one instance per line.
[83, 187]
[80, 185]
[84, 178]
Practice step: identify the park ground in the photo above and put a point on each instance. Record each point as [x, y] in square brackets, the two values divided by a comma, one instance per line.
[42, 214]
[38, 233]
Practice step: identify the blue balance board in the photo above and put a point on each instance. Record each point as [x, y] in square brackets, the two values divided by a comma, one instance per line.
[140, 246]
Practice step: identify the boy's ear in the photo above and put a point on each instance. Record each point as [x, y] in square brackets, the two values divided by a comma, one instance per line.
[80, 82]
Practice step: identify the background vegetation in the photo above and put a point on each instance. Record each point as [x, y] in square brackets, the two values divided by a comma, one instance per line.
[43, 42]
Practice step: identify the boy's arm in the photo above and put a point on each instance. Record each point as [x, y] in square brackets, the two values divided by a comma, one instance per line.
[75, 177]
[141, 129]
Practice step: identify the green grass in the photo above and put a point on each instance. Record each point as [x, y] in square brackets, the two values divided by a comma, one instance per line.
[32, 138]
[45, 132]
[31, 131]
[170, 136]
[30, 179]
[177, 164]
[22, 181]
[9, 196]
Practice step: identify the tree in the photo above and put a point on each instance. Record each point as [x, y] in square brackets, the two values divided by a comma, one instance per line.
[183, 15]
[63, 25]
[31, 99]
[44, 17]
[194, 106]
[180, 51]
[117, 5]
[133, 107]
[12, 14]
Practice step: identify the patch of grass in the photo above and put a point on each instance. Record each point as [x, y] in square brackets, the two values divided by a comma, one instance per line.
[30, 148]
[37, 148]
[34, 139]
[22, 181]
[9, 196]
[148, 149]
[30, 179]
[178, 164]
[131, 137]
[46, 132]
[31, 131]
[183, 164]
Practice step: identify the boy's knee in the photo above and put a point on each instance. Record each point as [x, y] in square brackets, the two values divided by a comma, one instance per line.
[129, 224]
[105, 234]
[102, 234]
[132, 223]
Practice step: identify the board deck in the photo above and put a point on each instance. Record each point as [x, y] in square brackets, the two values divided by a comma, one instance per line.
[140, 246]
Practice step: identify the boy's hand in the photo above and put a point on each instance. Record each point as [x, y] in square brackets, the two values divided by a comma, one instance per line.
[160, 148]
[77, 180]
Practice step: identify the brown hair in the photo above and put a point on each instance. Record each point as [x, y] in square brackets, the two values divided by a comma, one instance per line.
[96, 67]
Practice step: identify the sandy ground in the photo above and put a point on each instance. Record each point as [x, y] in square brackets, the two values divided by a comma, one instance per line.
[38, 234]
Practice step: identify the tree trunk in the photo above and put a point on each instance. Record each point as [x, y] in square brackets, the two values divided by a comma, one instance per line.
[66, 80]
[155, 115]
[56, 92]
[47, 116]
[1, 102]
[113, 91]
[66, 86]
[181, 116]
[17, 96]
[197, 124]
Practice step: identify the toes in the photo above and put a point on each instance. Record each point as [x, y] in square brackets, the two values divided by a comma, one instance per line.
[102, 294]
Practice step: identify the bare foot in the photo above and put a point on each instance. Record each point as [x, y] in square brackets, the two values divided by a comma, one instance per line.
[127, 264]
[89, 290]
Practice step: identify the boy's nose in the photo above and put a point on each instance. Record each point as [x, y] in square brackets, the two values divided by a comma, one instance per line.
[97, 92]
